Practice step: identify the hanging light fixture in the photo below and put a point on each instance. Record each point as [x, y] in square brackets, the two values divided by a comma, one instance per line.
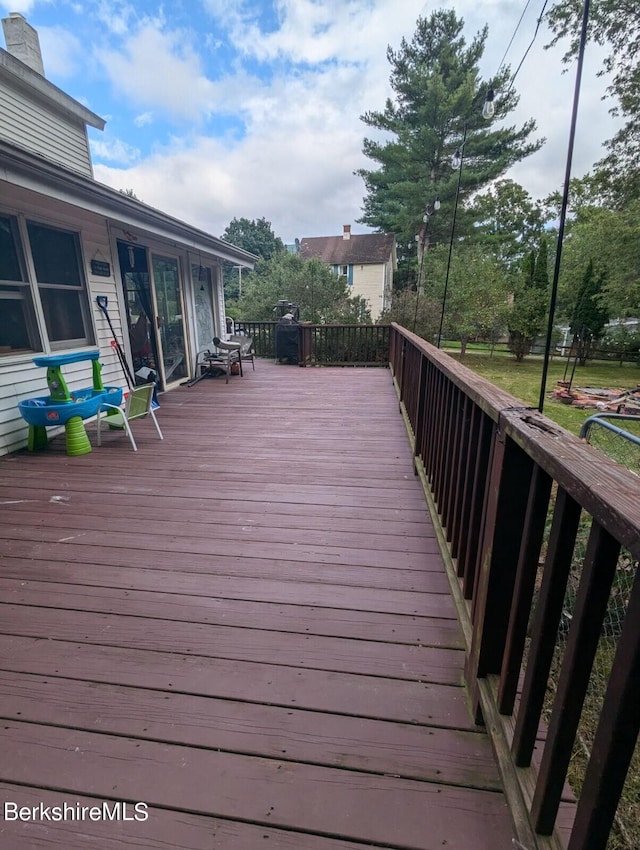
[489, 108]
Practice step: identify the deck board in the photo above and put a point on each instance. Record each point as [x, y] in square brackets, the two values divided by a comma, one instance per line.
[246, 626]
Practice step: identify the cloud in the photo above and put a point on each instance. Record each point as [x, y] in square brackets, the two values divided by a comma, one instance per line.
[118, 16]
[114, 150]
[21, 6]
[302, 138]
[300, 181]
[160, 70]
[62, 52]
[308, 31]
[143, 119]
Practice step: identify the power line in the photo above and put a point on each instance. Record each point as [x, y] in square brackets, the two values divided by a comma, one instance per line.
[526, 53]
[515, 32]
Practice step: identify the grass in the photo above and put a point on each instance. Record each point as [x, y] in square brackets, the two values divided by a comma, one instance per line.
[523, 381]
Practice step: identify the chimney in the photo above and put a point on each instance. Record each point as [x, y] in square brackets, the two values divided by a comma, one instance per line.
[346, 231]
[22, 41]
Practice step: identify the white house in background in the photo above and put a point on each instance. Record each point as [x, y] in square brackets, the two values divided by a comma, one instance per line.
[65, 239]
[367, 261]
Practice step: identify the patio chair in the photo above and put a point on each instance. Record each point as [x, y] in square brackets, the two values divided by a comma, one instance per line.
[139, 404]
[246, 348]
[210, 363]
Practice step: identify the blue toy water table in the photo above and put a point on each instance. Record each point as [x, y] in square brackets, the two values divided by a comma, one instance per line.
[64, 407]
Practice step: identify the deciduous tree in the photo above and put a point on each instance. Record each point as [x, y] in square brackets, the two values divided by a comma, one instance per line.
[311, 284]
[255, 236]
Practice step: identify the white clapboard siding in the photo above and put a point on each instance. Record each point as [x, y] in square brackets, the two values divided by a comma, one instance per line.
[35, 126]
[20, 378]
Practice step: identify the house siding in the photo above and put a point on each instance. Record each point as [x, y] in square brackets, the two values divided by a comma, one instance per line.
[19, 377]
[39, 129]
[368, 283]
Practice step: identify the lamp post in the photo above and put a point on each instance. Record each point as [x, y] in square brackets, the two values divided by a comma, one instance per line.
[456, 163]
[428, 212]
[239, 280]
[565, 202]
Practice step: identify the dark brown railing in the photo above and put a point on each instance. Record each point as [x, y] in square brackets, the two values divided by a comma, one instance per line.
[513, 493]
[327, 345]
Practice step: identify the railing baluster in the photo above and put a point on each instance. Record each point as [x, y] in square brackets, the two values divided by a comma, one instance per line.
[454, 461]
[511, 472]
[591, 604]
[470, 558]
[535, 518]
[615, 738]
[438, 413]
[464, 467]
[430, 411]
[444, 414]
[564, 528]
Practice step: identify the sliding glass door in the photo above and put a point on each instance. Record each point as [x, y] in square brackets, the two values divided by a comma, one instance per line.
[170, 321]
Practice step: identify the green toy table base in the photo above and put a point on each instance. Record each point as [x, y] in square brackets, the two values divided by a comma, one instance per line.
[76, 437]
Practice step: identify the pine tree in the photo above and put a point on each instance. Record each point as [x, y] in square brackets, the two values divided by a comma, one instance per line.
[590, 317]
[437, 107]
[530, 301]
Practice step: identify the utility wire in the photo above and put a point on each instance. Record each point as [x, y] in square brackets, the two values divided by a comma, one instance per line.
[515, 32]
[526, 53]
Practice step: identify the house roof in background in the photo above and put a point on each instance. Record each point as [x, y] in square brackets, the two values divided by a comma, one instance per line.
[363, 248]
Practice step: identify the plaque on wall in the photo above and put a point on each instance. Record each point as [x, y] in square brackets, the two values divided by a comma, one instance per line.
[100, 268]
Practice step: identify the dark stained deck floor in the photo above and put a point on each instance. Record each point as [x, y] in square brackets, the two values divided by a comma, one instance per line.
[247, 626]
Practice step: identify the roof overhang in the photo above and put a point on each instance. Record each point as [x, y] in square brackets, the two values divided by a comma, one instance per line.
[38, 174]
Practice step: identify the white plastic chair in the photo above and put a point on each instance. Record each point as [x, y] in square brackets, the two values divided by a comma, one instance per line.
[246, 348]
[139, 403]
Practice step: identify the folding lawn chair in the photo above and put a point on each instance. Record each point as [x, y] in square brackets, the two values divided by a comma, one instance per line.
[139, 404]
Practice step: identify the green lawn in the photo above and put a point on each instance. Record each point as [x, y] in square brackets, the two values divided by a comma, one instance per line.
[523, 381]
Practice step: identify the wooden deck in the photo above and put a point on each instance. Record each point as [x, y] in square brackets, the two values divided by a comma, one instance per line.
[246, 626]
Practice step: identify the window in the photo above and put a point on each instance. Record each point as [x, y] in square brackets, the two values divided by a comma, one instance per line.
[18, 325]
[346, 272]
[57, 263]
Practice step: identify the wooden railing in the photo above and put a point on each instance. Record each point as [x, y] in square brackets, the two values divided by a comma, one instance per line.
[327, 345]
[511, 490]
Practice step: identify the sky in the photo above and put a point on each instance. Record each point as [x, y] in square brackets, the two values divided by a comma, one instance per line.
[221, 109]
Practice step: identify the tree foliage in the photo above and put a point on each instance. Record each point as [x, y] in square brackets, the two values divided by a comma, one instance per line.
[530, 303]
[608, 237]
[589, 317]
[255, 236]
[437, 104]
[311, 284]
[476, 299]
[509, 223]
[477, 293]
[616, 25]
